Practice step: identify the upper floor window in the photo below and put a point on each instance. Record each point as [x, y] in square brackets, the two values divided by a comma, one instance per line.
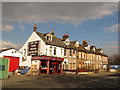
[70, 52]
[54, 51]
[24, 51]
[73, 51]
[79, 54]
[67, 42]
[61, 52]
[83, 55]
[50, 50]
[65, 52]
[49, 38]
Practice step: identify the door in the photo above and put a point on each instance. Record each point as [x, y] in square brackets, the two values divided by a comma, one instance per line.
[55, 67]
[14, 63]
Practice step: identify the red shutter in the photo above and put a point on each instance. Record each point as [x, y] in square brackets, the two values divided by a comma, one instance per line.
[14, 63]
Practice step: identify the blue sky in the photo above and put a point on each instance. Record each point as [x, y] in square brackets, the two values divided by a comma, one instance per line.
[94, 22]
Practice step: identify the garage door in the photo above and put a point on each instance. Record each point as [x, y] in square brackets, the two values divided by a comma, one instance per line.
[14, 63]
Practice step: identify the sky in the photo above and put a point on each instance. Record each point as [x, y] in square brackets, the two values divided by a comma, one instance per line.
[96, 22]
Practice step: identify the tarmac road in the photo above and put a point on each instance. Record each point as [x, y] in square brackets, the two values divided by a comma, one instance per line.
[100, 80]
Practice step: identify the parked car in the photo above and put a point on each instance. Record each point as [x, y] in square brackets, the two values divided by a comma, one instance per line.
[24, 70]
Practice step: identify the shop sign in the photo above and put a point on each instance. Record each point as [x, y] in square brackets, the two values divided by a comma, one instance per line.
[47, 58]
[33, 48]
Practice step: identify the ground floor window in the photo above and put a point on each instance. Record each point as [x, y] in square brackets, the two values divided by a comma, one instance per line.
[54, 66]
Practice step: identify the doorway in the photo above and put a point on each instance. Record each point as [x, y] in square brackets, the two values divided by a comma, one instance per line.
[55, 67]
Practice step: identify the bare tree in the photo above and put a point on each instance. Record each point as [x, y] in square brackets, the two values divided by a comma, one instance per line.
[114, 59]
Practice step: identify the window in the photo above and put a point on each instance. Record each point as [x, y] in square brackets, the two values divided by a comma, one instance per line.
[79, 54]
[65, 52]
[61, 52]
[50, 50]
[83, 55]
[47, 37]
[54, 51]
[67, 42]
[73, 51]
[24, 51]
[70, 52]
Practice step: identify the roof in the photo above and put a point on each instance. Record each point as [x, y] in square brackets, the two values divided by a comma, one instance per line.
[91, 47]
[73, 42]
[99, 49]
[55, 41]
[8, 49]
[81, 48]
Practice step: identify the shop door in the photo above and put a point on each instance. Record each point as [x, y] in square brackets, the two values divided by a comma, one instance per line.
[55, 67]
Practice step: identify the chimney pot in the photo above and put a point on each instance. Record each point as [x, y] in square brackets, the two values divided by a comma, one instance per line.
[35, 28]
[53, 32]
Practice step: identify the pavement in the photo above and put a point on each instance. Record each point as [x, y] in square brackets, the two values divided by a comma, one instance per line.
[95, 80]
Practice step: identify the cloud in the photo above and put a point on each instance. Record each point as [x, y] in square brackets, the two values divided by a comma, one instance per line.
[8, 28]
[21, 26]
[111, 50]
[113, 28]
[8, 44]
[62, 12]
[115, 42]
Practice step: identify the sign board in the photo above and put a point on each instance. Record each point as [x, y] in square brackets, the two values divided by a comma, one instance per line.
[33, 48]
[47, 58]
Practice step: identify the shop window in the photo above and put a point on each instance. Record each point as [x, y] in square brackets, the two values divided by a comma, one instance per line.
[44, 65]
[59, 66]
[54, 51]
[50, 65]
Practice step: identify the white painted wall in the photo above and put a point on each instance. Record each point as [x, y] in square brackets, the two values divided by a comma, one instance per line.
[13, 53]
[58, 51]
[34, 37]
[27, 62]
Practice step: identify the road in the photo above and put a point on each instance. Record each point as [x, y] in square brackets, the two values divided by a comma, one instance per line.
[100, 80]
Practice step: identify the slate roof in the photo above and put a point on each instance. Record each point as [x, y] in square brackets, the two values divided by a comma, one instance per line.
[55, 41]
[81, 48]
[8, 49]
[73, 42]
[91, 47]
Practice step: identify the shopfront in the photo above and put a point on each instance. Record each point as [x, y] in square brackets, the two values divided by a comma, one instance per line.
[49, 65]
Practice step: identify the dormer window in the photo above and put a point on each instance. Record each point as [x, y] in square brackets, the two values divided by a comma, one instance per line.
[67, 42]
[49, 38]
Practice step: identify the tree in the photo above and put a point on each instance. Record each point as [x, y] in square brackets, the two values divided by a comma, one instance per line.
[114, 59]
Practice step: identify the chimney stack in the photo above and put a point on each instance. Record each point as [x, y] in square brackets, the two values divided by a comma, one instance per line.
[65, 36]
[35, 28]
[53, 32]
[84, 43]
